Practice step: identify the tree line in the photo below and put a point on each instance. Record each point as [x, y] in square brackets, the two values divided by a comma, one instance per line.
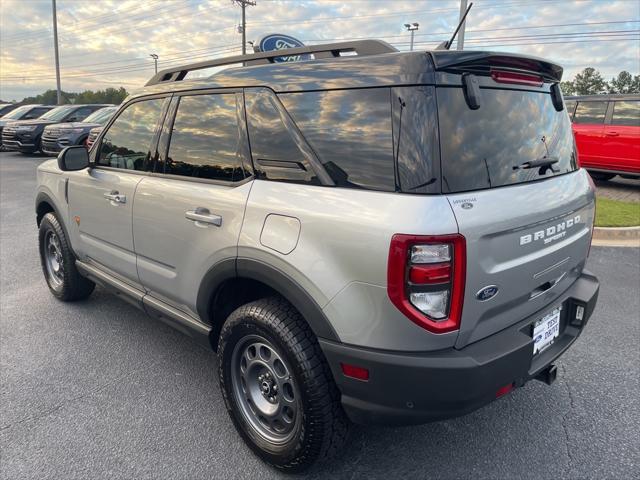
[591, 82]
[108, 95]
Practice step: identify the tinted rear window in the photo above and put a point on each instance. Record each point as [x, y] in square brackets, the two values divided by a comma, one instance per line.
[485, 148]
[590, 112]
[350, 130]
[626, 113]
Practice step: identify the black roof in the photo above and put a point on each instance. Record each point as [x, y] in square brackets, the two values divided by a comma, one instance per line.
[376, 64]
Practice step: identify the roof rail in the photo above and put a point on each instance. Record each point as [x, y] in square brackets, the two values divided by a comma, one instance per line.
[328, 50]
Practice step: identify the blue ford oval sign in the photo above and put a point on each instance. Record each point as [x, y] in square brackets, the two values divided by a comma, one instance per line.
[487, 293]
[278, 41]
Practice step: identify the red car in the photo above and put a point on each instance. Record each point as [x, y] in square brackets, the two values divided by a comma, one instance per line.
[607, 132]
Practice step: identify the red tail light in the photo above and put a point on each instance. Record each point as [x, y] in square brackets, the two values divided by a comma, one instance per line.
[516, 78]
[426, 278]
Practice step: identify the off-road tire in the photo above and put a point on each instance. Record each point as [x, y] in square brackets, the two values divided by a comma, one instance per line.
[73, 286]
[324, 425]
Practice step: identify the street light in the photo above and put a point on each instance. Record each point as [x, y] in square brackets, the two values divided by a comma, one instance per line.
[155, 60]
[412, 27]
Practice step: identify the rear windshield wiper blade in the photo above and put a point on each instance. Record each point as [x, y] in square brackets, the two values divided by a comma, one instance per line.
[543, 163]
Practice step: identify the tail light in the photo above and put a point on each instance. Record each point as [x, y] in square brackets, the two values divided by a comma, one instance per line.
[516, 78]
[425, 279]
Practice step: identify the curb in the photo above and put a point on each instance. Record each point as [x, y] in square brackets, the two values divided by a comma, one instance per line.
[616, 236]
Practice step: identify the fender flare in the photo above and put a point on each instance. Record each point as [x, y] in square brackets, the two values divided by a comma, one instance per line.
[274, 278]
[45, 197]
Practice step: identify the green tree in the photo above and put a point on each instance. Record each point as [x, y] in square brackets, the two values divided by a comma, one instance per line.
[625, 83]
[568, 88]
[589, 82]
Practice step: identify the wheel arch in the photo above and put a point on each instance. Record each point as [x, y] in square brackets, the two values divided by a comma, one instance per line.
[44, 205]
[234, 282]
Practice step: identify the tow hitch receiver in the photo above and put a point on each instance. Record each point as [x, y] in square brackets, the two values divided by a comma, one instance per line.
[548, 375]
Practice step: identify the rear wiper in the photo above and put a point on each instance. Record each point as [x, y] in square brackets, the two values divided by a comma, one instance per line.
[543, 163]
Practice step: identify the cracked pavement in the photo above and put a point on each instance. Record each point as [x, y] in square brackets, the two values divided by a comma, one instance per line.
[98, 390]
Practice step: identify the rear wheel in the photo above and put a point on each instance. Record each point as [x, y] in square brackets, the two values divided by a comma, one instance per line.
[278, 387]
[602, 176]
[58, 262]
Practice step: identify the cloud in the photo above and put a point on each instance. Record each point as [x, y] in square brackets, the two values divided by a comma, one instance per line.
[107, 43]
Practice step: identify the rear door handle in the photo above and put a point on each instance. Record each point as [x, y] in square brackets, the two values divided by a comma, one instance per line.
[203, 216]
[114, 197]
[612, 134]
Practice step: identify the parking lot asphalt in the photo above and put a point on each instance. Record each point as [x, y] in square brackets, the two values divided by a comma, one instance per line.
[98, 390]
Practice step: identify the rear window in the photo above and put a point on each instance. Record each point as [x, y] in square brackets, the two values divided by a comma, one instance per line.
[488, 147]
[626, 113]
[350, 131]
[590, 112]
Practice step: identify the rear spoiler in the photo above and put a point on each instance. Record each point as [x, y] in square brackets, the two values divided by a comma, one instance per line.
[480, 63]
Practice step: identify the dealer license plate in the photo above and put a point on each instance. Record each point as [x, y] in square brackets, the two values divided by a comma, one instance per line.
[546, 330]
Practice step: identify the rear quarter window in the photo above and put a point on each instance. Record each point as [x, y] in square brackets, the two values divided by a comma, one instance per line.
[590, 112]
[350, 131]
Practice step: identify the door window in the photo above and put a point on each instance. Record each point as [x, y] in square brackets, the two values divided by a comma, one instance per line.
[571, 107]
[127, 142]
[35, 113]
[626, 113]
[206, 141]
[590, 112]
[80, 114]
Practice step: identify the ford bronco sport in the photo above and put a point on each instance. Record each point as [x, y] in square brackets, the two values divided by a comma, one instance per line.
[386, 237]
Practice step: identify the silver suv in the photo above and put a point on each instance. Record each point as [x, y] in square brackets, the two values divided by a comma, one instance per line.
[386, 237]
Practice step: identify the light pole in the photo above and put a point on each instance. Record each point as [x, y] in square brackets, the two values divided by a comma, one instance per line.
[463, 9]
[242, 28]
[412, 27]
[155, 60]
[55, 48]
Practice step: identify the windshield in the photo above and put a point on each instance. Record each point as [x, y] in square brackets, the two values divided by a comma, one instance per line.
[101, 116]
[490, 147]
[57, 113]
[17, 113]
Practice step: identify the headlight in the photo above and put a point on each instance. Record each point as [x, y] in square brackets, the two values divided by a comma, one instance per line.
[27, 128]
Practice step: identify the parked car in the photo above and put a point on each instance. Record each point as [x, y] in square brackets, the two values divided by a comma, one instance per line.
[7, 107]
[384, 237]
[61, 135]
[93, 135]
[25, 135]
[24, 112]
[607, 132]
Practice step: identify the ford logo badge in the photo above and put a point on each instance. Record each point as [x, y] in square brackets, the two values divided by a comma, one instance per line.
[278, 41]
[487, 293]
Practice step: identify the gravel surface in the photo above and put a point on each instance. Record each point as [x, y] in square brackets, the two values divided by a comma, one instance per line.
[98, 390]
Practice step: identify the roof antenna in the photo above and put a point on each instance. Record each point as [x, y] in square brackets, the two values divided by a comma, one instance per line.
[447, 44]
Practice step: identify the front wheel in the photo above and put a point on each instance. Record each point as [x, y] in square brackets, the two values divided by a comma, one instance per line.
[278, 387]
[58, 262]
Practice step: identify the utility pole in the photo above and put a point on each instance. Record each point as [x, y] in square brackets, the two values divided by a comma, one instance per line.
[155, 60]
[463, 9]
[55, 47]
[412, 27]
[243, 28]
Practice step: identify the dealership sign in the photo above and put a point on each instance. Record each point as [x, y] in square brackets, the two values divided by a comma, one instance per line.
[278, 41]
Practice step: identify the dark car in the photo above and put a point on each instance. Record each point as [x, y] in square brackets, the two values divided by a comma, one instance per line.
[61, 135]
[25, 135]
[607, 133]
[23, 112]
[7, 107]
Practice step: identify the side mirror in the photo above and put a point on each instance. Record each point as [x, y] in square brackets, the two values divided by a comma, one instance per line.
[73, 158]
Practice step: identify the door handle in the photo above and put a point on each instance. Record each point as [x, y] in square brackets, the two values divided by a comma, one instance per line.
[612, 134]
[203, 215]
[114, 197]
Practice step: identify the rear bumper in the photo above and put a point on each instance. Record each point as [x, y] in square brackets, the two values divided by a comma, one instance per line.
[417, 388]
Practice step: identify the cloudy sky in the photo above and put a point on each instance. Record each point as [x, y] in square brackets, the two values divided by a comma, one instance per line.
[106, 43]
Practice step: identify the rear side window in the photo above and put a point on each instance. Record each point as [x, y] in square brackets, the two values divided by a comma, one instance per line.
[350, 131]
[570, 105]
[35, 113]
[626, 113]
[489, 147]
[127, 142]
[278, 150]
[590, 112]
[206, 141]
[81, 113]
